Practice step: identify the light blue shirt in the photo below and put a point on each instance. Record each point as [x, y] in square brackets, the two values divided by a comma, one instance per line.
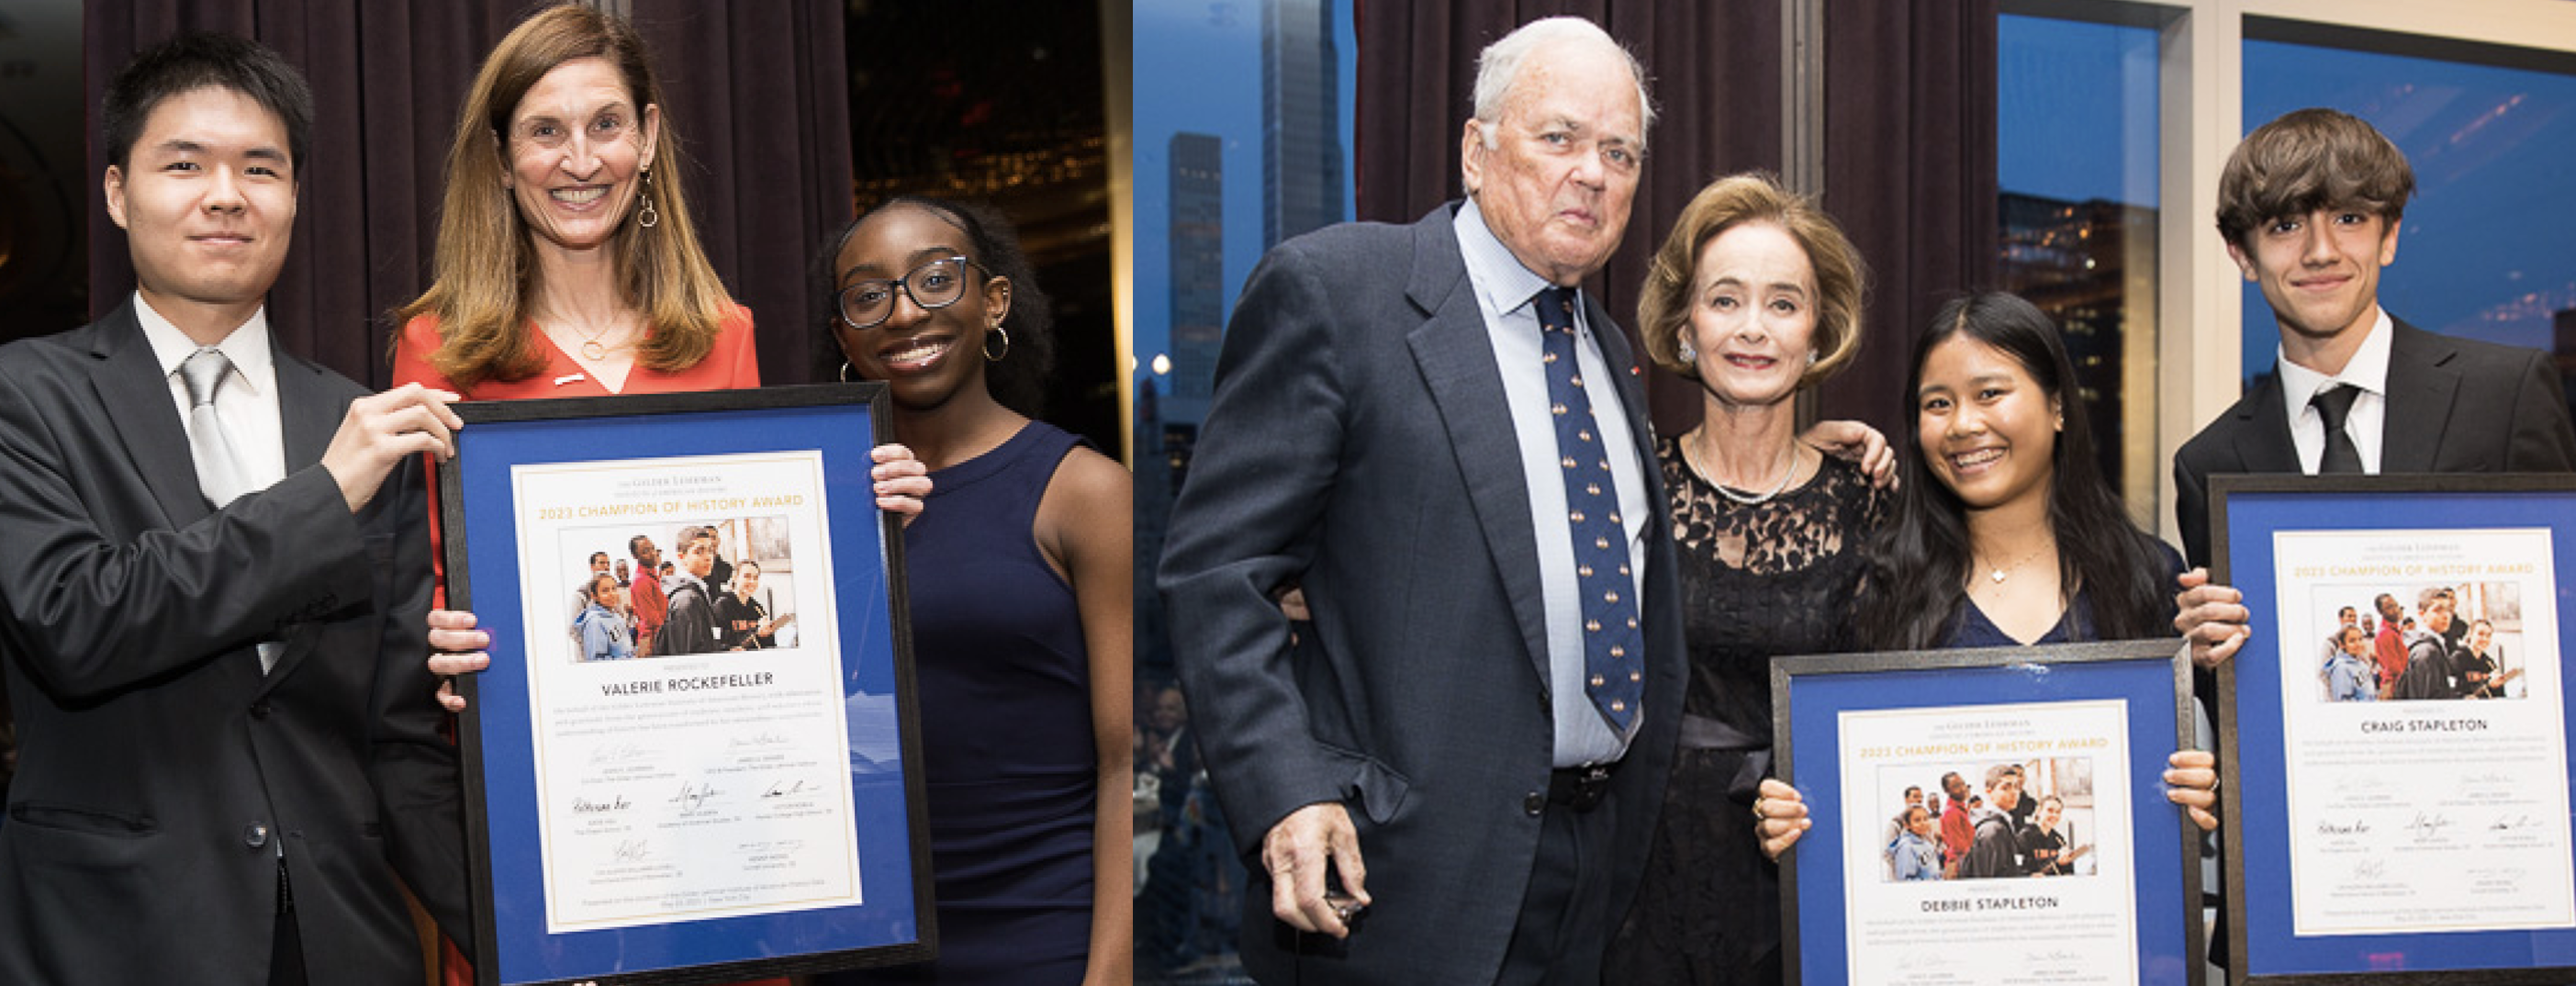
[2350, 679]
[1504, 289]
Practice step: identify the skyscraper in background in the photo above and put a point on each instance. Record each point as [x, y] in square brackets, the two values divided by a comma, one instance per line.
[1301, 132]
[1172, 399]
[1198, 272]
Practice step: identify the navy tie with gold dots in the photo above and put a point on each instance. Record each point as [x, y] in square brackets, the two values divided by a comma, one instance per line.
[1613, 649]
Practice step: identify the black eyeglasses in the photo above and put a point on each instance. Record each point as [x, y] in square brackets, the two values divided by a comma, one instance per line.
[931, 286]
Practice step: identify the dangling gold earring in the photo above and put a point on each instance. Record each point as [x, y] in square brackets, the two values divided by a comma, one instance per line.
[645, 216]
[989, 335]
[845, 372]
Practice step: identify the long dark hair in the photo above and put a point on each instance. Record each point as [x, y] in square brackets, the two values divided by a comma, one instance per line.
[1018, 380]
[1918, 565]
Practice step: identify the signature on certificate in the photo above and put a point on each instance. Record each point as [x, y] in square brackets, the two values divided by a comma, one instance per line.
[693, 795]
[2428, 827]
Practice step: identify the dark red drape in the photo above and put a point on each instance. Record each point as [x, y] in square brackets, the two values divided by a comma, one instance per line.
[1909, 166]
[757, 91]
[1909, 147]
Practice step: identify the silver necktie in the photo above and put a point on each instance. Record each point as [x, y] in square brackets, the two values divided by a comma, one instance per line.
[220, 472]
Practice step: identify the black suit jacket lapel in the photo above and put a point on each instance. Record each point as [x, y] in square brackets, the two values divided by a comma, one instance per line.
[136, 396]
[308, 410]
[2263, 431]
[2422, 385]
[1457, 366]
[307, 416]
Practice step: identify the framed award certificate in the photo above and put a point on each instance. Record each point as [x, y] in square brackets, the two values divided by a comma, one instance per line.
[2394, 734]
[1985, 810]
[706, 770]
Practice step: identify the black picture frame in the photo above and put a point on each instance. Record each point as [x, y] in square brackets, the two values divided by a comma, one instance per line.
[536, 483]
[2250, 514]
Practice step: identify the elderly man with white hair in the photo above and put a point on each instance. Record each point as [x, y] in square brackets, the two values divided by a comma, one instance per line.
[1437, 436]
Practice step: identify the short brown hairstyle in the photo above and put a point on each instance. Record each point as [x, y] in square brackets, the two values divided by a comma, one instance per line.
[1752, 198]
[484, 268]
[2307, 160]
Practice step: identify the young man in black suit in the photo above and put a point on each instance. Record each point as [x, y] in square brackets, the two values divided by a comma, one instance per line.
[211, 617]
[2311, 205]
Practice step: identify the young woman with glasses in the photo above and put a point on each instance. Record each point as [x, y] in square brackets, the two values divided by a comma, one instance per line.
[1021, 587]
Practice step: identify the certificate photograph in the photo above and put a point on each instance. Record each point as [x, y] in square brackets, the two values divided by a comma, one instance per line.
[2427, 783]
[695, 757]
[671, 786]
[1992, 816]
[2007, 775]
[2394, 757]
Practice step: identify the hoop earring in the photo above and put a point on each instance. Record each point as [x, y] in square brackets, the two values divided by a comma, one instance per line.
[646, 216]
[845, 372]
[1005, 334]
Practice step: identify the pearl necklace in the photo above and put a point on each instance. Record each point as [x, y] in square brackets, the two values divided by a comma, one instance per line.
[1789, 461]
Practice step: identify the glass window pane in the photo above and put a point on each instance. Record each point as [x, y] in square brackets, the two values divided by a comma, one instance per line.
[2076, 128]
[2486, 249]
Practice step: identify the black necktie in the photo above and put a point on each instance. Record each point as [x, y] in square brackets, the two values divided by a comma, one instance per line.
[2333, 404]
[1613, 649]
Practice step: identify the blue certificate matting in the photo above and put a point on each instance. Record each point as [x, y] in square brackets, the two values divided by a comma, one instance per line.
[863, 589]
[1811, 697]
[2250, 513]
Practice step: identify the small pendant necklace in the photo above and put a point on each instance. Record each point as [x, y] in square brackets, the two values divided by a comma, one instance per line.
[590, 347]
[2002, 572]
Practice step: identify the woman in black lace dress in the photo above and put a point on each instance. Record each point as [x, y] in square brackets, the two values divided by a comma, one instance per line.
[1756, 295]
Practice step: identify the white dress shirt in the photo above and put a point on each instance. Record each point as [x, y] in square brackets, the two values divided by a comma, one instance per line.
[2365, 424]
[246, 399]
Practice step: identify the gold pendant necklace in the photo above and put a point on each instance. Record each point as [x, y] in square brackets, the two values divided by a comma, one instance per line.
[2000, 573]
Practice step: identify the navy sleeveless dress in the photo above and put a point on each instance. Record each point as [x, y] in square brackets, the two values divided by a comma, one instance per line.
[1010, 767]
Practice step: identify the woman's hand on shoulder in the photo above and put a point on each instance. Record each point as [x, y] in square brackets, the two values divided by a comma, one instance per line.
[1859, 444]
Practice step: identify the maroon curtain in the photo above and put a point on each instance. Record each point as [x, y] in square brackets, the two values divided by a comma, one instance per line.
[1909, 111]
[1714, 71]
[756, 90]
[1909, 161]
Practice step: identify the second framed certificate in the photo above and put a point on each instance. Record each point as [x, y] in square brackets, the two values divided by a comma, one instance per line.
[1977, 810]
[2395, 736]
[708, 771]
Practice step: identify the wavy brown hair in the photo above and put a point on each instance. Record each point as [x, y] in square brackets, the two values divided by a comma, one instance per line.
[484, 272]
[1663, 308]
[2311, 159]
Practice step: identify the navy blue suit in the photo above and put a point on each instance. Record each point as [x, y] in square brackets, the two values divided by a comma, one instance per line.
[1359, 445]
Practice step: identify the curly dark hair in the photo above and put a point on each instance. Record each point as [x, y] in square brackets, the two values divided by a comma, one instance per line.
[1018, 379]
